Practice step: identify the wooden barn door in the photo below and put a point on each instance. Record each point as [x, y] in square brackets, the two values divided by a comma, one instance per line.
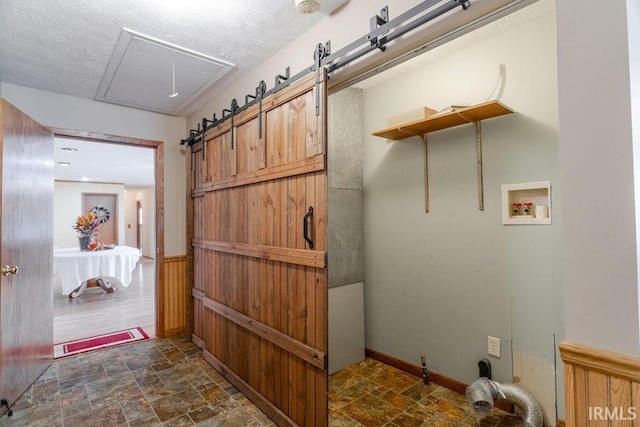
[258, 213]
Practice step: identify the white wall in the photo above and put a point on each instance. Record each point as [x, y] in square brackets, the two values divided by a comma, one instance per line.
[147, 198]
[633, 27]
[68, 206]
[439, 283]
[130, 218]
[596, 149]
[52, 109]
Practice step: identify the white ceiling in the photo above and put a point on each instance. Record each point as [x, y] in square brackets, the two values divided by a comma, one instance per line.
[105, 163]
[65, 46]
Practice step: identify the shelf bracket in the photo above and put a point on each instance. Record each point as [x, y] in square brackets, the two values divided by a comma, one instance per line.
[479, 164]
[409, 133]
[426, 173]
[478, 125]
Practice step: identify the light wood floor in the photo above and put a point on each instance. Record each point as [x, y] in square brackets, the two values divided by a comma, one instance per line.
[95, 312]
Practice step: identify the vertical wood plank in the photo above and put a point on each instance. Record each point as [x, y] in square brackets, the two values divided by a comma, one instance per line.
[569, 394]
[174, 297]
[311, 132]
[266, 209]
[321, 119]
[597, 395]
[581, 412]
[242, 147]
[620, 401]
[635, 402]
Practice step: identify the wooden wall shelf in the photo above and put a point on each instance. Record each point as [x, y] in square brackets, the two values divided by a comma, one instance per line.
[457, 117]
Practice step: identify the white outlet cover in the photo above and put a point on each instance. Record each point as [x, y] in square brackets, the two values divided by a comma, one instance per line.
[493, 346]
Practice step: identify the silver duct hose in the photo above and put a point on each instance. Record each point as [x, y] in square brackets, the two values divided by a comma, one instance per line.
[482, 393]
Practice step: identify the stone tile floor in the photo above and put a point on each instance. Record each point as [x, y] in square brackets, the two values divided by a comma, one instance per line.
[159, 382]
[166, 382]
[371, 394]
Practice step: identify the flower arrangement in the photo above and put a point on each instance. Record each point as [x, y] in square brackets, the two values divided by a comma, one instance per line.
[86, 225]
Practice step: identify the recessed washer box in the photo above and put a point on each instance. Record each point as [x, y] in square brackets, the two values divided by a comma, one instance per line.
[536, 193]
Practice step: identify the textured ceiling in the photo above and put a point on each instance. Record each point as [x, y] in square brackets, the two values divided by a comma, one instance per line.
[64, 46]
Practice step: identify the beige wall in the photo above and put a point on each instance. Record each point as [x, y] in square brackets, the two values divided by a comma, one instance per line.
[68, 206]
[130, 218]
[597, 148]
[56, 110]
[147, 196]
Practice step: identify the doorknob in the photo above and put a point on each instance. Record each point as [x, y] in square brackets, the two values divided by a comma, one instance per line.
[7, 270]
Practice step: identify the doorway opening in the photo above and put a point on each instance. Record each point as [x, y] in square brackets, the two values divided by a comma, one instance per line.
[130, 171]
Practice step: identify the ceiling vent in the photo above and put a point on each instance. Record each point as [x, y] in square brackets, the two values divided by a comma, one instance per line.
[141, 74]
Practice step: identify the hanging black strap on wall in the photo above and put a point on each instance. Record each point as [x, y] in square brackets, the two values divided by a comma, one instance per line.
[383, 31]
[249, 99]
[226, 113]
[260, 91]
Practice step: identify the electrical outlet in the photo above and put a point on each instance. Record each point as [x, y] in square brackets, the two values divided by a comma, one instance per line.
[493, 346]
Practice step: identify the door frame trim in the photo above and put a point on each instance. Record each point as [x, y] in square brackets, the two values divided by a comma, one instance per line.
[158, 147]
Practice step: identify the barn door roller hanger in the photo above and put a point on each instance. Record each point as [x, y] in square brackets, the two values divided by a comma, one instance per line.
[382, 31]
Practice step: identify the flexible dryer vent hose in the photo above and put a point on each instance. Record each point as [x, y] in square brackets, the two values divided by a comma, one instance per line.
[482, 393]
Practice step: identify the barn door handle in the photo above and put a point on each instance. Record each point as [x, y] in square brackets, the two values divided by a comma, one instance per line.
[305, 227]
[7, 270]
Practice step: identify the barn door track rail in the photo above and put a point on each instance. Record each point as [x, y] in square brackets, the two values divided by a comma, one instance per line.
[382, 31]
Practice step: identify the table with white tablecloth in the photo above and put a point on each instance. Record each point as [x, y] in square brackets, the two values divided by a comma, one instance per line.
[76, 267]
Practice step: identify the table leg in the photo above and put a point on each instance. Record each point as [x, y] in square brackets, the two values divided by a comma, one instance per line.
[106, 286]
[77, 291]
[92, 283]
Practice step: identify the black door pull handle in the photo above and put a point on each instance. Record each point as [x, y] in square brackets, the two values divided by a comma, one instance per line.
[305, 227]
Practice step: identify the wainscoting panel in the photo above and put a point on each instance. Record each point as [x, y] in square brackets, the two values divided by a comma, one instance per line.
[175, 319]
[602, 388]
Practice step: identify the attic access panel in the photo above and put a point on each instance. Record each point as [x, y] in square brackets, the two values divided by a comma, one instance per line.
[140, 74]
